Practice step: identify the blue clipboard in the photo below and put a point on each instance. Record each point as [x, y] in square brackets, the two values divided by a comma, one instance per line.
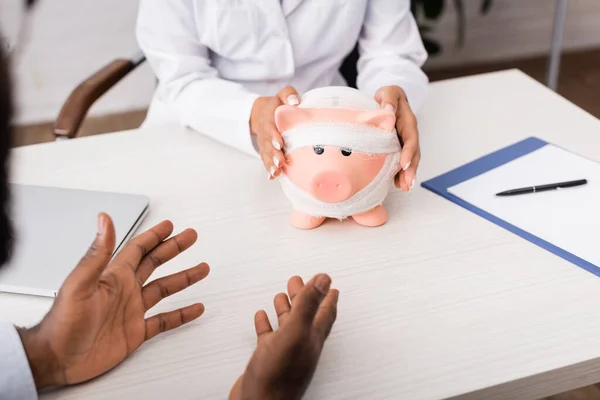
[440, 185]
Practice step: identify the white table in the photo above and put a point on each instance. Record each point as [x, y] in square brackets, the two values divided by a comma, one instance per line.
[438, 303]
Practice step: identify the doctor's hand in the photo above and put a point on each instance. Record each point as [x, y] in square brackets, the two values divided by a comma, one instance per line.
[98, 317]
[285, 359]
[262, 124]
[394, 98]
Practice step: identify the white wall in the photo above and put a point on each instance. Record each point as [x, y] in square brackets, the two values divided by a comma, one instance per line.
[514, 28]
[70, 39]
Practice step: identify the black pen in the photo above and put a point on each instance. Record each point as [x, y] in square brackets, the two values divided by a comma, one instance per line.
[542, 188]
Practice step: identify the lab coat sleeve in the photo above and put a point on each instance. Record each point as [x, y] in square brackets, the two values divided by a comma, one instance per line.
[168, 35]
[391, 51]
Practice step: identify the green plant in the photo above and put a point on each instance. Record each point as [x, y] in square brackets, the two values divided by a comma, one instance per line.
[431, 10]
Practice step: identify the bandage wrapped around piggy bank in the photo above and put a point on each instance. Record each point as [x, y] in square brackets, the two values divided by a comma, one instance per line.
[342, 153]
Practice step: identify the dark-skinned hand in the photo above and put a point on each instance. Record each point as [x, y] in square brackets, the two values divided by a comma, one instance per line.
[285, 359]
[98, 317]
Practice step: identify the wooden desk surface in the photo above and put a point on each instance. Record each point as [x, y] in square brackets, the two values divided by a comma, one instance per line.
[438, 303]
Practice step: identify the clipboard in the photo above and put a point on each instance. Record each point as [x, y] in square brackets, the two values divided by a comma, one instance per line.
[441, 184]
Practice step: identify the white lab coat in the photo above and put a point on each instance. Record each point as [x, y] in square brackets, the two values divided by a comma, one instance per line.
[213, 58]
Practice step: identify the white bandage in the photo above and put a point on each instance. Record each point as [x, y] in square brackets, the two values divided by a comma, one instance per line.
[356, 137]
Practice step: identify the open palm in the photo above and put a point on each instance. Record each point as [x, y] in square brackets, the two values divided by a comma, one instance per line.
[98, 318]
[285, 359]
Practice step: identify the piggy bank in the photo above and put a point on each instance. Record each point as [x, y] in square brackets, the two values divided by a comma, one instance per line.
[342, 153]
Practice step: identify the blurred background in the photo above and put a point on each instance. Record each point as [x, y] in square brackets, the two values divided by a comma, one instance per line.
[71, 39]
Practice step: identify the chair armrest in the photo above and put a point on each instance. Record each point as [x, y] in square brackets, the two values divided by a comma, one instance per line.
[87, 92]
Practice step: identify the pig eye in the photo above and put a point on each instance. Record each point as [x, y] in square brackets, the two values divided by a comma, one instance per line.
[346, 152]
[318, 150]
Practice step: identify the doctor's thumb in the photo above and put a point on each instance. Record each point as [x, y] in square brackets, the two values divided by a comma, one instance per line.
[288, 95]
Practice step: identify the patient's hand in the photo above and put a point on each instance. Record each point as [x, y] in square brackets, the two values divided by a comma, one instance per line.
[285, 360]
[98, 318]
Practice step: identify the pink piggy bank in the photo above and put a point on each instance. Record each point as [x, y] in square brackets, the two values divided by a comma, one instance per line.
[342, 153]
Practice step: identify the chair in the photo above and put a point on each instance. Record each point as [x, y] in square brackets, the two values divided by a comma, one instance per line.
[75, 108]
[80, 100]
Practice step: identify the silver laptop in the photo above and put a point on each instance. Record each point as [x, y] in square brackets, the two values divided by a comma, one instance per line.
[53, 229]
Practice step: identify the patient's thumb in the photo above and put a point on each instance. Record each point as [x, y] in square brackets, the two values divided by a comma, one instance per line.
[98, 255]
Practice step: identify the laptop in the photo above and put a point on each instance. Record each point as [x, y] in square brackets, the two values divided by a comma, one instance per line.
[54, 227]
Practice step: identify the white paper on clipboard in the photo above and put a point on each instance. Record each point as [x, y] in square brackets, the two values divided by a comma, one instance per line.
[567, 218]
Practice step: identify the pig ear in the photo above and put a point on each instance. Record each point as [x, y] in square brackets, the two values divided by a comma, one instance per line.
[382, 119]
[286, 117]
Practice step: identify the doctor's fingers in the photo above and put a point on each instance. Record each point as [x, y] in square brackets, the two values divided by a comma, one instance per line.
[273, 161]
[409, 160]
[389, 97]
[394, 98]
[268, 127]
[288, 95]
[410, 175]
[269, 139]
[406, 180]
[400, 182]
[408, 131]
[270, 146]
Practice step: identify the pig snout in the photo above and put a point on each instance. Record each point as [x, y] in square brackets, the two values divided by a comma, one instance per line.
[331, 187]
